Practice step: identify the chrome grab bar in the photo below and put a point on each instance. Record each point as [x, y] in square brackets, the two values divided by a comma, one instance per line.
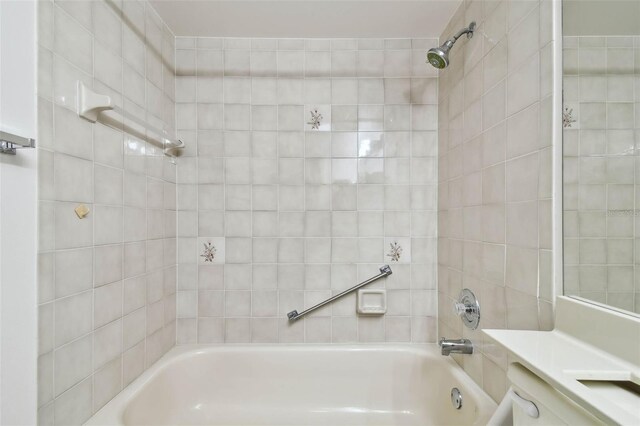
[384, 271]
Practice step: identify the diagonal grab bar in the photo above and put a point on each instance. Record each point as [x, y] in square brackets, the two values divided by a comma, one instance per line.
[384, 271]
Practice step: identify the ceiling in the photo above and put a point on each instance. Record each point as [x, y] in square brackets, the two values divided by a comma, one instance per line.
[307, 18]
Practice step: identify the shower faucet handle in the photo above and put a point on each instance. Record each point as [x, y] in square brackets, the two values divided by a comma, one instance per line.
[461, 308]
[468, 309]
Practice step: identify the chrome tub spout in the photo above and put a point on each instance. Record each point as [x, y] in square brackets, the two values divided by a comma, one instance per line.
[457, 346]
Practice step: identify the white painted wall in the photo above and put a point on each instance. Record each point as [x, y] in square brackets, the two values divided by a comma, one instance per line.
[18, 67]
[601, 17]
[18, 218]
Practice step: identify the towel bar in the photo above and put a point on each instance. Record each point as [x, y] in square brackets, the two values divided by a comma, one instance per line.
[10, 142]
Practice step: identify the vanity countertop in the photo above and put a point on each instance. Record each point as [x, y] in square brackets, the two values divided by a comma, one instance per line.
[563, 361]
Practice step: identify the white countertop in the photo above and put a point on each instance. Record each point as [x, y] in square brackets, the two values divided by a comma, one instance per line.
[561, 359]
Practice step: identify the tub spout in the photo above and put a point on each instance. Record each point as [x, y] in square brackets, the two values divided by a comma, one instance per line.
[458, 346]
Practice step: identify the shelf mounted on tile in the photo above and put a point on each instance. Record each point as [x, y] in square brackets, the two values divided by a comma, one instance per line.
[92, 104]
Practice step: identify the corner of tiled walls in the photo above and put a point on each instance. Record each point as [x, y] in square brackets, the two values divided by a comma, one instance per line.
[601, 118]
[106, 282]
[494, 195]
[289, 215]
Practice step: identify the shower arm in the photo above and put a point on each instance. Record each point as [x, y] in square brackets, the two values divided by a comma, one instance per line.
[468, 31]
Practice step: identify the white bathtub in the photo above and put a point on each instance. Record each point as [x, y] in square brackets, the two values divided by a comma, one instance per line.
[299, 385]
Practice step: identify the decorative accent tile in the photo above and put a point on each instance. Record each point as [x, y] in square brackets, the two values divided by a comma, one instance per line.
[395, 251]
[320, 115]
[209, 252]
[316, 120]
[567, 117]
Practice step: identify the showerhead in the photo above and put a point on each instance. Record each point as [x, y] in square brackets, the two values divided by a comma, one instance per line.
[439, 56]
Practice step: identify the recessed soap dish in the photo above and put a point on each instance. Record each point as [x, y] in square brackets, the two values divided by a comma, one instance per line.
[372, 302]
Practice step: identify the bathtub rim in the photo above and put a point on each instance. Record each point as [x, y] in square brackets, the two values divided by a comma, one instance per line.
[112, 413]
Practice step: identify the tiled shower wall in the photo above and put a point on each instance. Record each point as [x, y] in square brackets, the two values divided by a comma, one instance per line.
[494, 205]
[276, 212]
[601, 122]
[106, 282]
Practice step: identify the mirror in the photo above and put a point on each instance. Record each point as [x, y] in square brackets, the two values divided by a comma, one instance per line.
[601, 151]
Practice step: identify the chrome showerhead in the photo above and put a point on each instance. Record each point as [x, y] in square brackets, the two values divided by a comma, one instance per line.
[439, 56]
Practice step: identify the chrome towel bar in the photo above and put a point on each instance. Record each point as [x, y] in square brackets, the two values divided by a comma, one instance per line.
[10, 142]
[384, 271]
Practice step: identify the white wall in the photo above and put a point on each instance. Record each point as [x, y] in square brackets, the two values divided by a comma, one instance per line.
[495, 193]
[298, 213]
[601, 18]
[17, 67]
[107, 282]
[18, 330]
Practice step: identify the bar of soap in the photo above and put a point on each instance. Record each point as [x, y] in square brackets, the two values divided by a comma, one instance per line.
[81, 211]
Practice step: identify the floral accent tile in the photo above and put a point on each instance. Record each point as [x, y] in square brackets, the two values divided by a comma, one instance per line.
[319, 117]
[567, 117]
[316, 119]
[395, 251]
[570, 116]
[209, 252]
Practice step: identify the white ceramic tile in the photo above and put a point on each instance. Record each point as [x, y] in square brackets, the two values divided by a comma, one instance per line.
[290, 63]
[74, 406]
[317, 91]
[237, 330]
[72, 41]
[107, 303]
[73, 363]
[107, 343]
[210, 330]
[370, 63]
[344, 63]
[344, 91]
[371, 91]
[397, 63]
[107, 383]
[264, 63]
